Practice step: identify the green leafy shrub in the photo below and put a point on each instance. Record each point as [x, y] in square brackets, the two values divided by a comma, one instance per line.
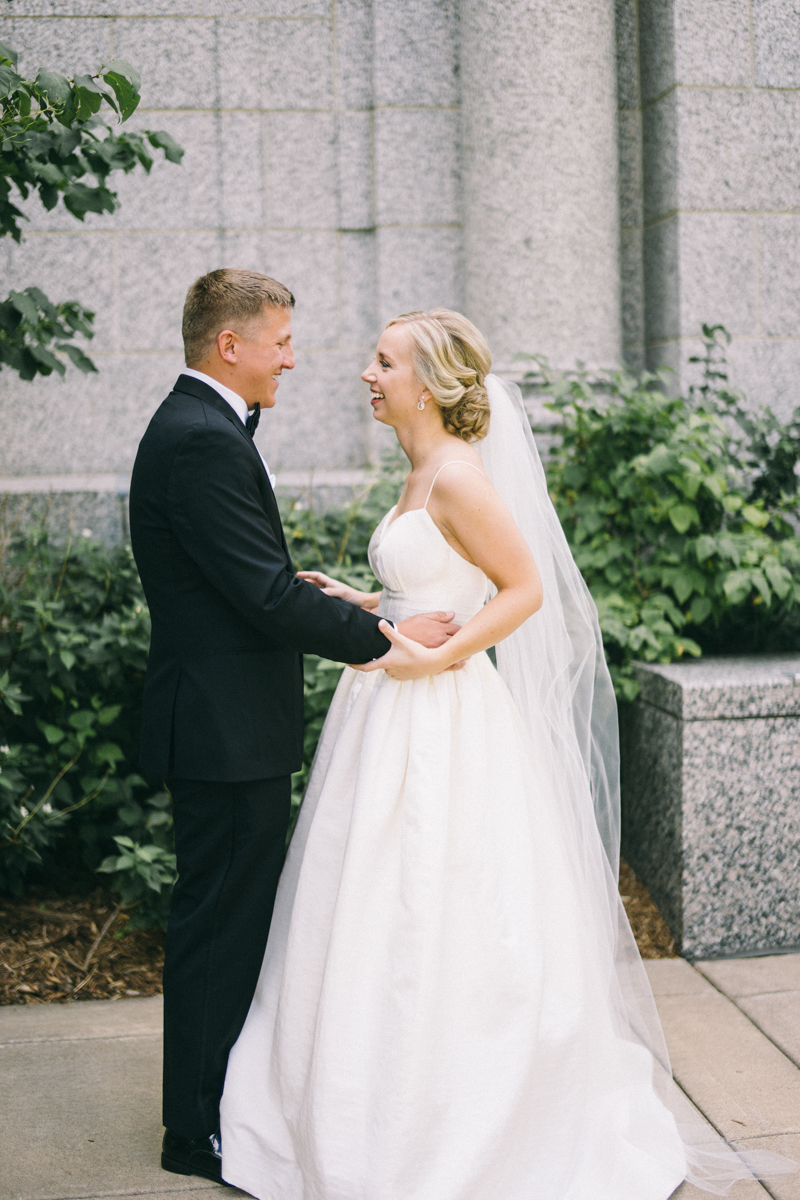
[681, 513]
[74, 636]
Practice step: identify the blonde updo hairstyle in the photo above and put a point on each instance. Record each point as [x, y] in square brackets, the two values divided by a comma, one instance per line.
[451, 359]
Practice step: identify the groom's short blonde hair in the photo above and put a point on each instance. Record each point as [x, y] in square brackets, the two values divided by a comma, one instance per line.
[230, 298]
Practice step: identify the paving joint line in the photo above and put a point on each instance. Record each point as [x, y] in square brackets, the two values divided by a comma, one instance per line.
[89, 1037]
[718, 1131]
[747, 1016]
[201, 1187]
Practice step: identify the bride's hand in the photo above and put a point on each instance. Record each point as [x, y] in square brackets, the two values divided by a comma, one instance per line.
[406, 659]
[341, 591]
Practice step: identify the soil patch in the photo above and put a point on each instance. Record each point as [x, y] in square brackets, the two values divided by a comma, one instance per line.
[55, 947]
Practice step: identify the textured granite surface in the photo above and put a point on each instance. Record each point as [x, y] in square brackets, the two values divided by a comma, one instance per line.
[711, 801]
[757, 686]
[721, 232]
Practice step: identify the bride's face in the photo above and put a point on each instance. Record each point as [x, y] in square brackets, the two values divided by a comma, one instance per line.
[394, 388]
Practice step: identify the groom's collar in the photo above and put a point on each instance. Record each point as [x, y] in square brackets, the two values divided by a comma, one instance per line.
[236, 402]
[189, 385]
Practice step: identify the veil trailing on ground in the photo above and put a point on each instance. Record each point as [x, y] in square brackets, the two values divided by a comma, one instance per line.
[555, 669]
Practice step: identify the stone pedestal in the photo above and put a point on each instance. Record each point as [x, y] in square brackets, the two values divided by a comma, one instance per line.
[711, 801]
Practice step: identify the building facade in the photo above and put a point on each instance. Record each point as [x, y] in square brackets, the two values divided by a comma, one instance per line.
[586, 181]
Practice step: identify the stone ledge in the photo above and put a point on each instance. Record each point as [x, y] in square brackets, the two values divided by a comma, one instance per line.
[723, 688]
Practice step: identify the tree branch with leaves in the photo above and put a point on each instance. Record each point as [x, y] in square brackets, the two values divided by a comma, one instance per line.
[55, 143]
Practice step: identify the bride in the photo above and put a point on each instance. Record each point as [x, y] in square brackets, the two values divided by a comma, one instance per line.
[451, 1005]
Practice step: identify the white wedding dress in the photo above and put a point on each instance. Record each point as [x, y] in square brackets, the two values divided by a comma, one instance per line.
[430, 1022]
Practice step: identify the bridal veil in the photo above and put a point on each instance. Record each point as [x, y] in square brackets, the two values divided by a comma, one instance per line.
[555, 669]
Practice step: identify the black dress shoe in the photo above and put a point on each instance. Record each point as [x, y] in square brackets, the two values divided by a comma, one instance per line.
[192, 1156]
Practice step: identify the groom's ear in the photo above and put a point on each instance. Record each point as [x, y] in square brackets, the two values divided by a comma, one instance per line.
[228, 346]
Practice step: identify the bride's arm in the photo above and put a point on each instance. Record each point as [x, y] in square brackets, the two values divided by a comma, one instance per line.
[332, 587]
[467, 507]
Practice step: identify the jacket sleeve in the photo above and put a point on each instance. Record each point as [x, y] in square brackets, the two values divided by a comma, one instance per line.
[217, 514]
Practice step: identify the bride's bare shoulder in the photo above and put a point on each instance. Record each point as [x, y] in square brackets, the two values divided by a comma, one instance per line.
[460, 477]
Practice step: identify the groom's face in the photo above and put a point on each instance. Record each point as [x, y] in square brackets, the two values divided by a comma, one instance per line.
[261, 355]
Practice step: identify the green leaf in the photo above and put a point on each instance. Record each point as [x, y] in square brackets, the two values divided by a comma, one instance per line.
[53, 734]
[125, 81]
[24, 305]
[682, 583]
[47, 361]
[163, 141]
[659, 461]
[755, 516]
[682, 516]
[732, 503]
[779, 578]
[705, 547]
[700, 609]
[761, 586]
[716, 486]
[67, 658]
[88, 95]
[108, 714]
[108, 752]
[9, 80]
[80, 199]
[737, 586]
[122, 68]
[8, 53]
[54, 87]
[77, 357]
[82, 720]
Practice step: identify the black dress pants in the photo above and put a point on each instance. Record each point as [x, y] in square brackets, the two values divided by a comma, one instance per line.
[229, 840]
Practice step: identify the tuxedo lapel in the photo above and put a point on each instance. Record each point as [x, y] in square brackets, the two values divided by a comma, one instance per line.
[190, 386]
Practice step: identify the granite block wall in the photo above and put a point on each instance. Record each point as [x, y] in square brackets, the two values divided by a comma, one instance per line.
[721, 187]
[586, 181]
[313, 152]
[346, 147]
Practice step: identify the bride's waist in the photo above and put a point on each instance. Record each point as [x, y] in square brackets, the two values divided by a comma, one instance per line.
[397, 606]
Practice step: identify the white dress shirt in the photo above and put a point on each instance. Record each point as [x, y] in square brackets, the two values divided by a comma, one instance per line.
[236, 402]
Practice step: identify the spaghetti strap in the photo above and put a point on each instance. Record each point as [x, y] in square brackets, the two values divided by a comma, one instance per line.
[451, 463]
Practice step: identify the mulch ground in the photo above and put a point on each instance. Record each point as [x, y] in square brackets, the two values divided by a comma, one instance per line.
[649, 927]
[55, 947]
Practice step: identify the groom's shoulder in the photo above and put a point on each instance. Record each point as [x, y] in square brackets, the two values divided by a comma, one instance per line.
[187, 409]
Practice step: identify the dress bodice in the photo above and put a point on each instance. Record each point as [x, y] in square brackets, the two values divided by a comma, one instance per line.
[420, 572]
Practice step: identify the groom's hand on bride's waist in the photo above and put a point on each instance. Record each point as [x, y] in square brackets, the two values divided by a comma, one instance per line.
[429, 629]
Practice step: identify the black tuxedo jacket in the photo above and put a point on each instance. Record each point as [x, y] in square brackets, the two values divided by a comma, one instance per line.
[223, 697]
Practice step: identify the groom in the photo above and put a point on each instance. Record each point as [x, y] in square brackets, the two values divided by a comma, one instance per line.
[223, 697]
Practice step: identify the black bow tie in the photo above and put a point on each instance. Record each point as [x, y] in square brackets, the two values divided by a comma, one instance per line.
[251, 423]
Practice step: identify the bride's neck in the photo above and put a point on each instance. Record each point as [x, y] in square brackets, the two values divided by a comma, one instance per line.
[421, 442]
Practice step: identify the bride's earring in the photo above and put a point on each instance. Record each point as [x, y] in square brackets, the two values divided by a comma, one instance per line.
[421, 404]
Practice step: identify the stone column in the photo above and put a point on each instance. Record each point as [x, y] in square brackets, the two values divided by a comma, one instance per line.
[720, 88]
[541, 223]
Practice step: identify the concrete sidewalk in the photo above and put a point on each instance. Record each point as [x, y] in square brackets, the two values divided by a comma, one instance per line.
[80, 1082]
